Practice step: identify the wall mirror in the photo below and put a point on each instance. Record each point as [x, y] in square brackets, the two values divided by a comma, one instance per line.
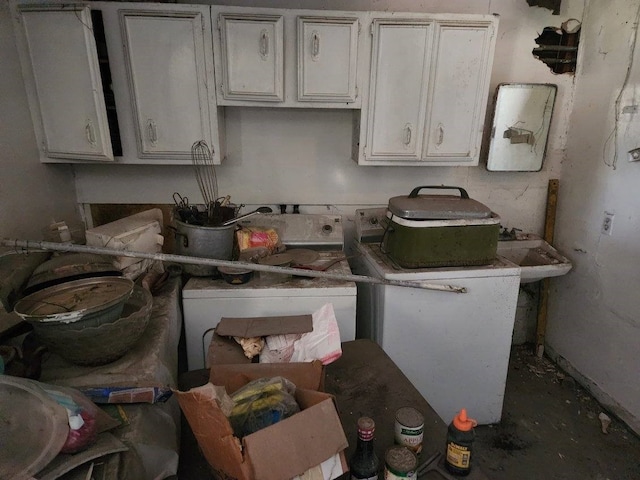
[520, 126]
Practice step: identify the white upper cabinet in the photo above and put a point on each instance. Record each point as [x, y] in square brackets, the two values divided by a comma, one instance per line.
[459, 94]
[123, 81]
[63, 76]
[167, 74]
[327, 59]
[140, 82]
[252, 57]
[288, 58]
[428, 90]
[399, 80]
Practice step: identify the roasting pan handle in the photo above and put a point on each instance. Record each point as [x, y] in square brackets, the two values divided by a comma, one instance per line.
[414, 192]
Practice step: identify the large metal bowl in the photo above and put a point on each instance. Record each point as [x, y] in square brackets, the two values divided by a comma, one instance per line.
[67, 267]
[92, 301]
[102, 344]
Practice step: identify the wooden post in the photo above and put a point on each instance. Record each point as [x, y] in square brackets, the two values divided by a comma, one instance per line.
[549, 227]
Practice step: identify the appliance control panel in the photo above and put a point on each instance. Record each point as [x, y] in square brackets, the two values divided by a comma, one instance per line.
[370, 224]
[302, 230]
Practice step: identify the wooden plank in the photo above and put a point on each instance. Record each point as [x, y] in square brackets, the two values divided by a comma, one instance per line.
[549, 228]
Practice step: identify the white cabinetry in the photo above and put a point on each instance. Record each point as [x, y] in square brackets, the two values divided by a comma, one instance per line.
[462, 68]
[168, 66]
[327, 59]
[61, 69]
[417, 83]
[251, 62]
[287, 58]
[153, 63]
[399, 81]
[428, 90]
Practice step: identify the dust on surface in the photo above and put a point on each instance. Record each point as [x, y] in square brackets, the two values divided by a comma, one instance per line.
[550, 430]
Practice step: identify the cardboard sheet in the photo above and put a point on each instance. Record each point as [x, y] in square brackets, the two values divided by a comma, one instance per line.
[264, 326]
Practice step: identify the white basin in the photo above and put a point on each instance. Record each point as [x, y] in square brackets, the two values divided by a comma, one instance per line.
[537, 259]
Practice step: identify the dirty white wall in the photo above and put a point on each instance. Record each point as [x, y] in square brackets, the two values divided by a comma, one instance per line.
[594, 323]
[303, 156]
[31, 195]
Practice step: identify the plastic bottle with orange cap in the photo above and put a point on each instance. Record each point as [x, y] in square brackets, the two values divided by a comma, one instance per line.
[460, 436]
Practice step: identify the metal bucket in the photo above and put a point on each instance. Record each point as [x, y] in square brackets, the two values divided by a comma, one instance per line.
[205, 242]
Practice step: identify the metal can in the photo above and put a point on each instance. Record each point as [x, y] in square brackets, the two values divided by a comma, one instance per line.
[409, 428]
[400, 463]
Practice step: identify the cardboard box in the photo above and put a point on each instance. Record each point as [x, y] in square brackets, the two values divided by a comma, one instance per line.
[284, 450]
[280, 451]
[224, 350]
[225, 356]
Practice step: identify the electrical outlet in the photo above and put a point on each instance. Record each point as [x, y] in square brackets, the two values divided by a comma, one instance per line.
[607, 223]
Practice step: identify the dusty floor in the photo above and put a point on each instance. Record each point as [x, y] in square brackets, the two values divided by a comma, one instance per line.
[550, 430]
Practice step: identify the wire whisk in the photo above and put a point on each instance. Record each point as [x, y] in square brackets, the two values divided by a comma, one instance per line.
[205, 172]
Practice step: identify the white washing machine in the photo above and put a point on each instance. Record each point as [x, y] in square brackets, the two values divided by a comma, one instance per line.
[207, 300]
[453, 347]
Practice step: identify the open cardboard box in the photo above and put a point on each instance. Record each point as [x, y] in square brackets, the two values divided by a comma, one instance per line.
[224, 350]
[280, 451]
[225, 355]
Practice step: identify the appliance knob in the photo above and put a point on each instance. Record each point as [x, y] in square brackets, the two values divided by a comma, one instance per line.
[327, 229]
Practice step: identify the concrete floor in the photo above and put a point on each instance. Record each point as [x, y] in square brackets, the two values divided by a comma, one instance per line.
[550, 430]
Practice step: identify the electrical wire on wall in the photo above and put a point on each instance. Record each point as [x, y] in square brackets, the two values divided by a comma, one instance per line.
[614, 133]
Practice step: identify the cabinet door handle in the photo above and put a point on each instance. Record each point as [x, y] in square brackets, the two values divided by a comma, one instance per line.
[315, 46]
[440, 135]
[152, 132]
[90, 133]
[264, 44]
[407, 134]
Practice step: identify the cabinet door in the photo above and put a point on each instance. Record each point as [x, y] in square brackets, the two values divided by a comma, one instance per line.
[458, 98]
[66, 77]
[252, 51]
[399, 80]
[327, 59]
[167, 81]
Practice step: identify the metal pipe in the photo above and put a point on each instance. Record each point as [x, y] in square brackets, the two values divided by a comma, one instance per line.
[70, 247]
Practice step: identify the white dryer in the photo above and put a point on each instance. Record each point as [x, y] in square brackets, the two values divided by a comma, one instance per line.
[454, 347]
[207, 300]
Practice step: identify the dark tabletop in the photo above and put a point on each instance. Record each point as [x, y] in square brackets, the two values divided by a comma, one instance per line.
[365, 382]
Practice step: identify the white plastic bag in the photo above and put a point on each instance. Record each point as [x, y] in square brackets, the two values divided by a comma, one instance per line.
[323, 343]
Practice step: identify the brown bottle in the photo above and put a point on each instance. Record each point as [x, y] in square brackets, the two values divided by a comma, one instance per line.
[364, 464]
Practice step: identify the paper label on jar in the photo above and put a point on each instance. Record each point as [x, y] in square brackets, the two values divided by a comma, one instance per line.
[389, 475]
[409, 437]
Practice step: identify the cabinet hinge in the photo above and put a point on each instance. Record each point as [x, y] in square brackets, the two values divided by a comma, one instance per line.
[371, 29]
[357, 93]
[359, 27]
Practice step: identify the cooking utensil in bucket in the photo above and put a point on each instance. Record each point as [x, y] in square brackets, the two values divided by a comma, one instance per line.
[250, 214]
[205, 172]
